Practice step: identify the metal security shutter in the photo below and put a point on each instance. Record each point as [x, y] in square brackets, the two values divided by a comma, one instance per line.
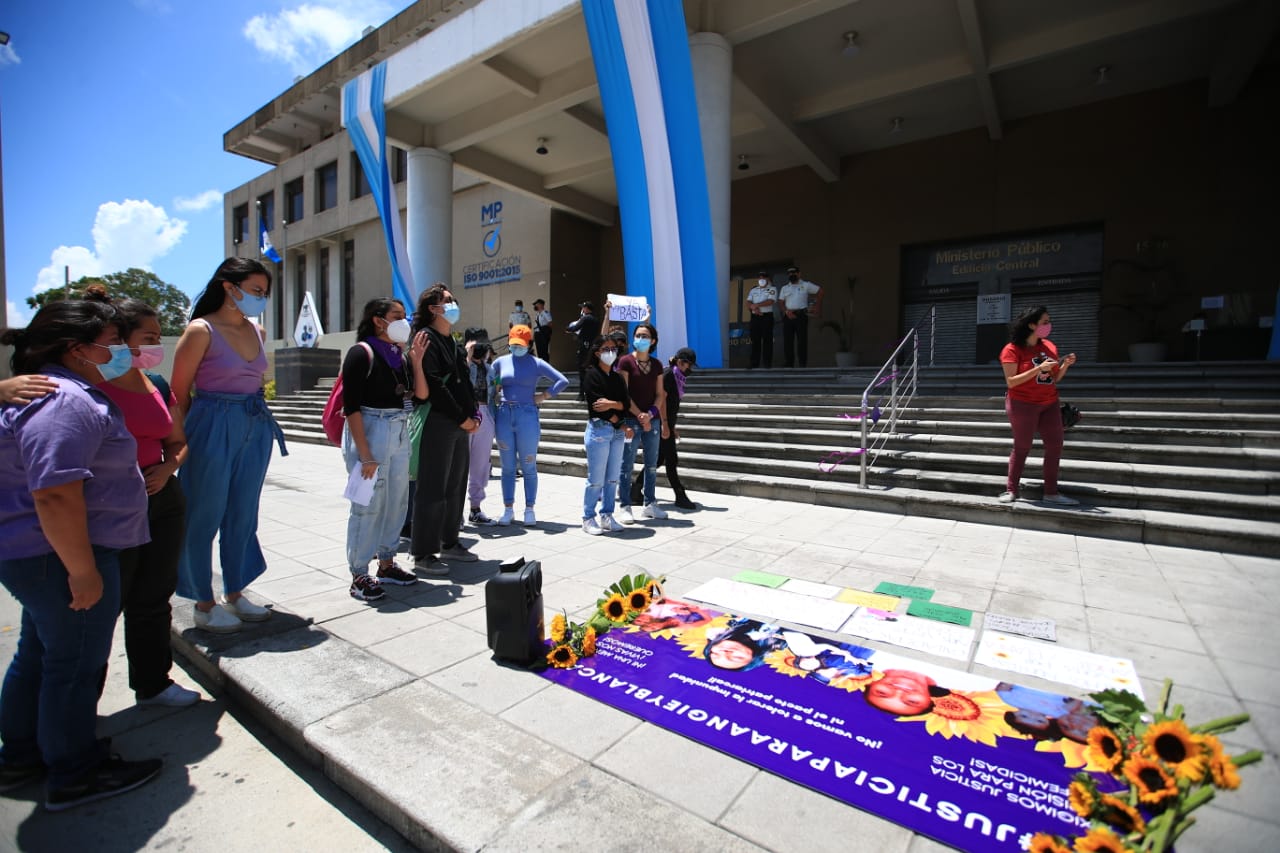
[1074, 315]
[955, 337]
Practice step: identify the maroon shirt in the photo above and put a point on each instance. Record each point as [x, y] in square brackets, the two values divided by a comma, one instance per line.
[643, 387]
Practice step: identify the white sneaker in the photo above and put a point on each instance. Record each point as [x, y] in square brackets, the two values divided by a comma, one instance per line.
[608, 524]
[508, 516]
[246, 611]
[624, 515]
[530, 520]
[173, 696]
[1061, 500]
[652, 511]
[1007, 497]
[591, 527]
[218, 620]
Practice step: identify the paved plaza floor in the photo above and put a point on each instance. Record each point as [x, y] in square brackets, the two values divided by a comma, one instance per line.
[404, 707]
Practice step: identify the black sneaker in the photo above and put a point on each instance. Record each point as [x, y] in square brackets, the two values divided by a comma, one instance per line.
[16, 775]
[111, 777]
[366, 588]
[396, 576]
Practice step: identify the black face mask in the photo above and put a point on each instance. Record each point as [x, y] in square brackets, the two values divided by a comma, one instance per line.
[793, 278]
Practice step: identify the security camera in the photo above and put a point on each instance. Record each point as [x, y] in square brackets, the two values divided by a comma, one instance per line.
[542, 145]
[743, 165]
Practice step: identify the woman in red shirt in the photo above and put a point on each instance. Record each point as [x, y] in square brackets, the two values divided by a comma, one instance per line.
[1032, 370]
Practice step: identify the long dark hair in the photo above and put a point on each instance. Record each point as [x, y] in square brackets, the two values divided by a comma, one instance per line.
[653, 333]
[377, 307]
[56, 328]
[595, 348]
[1018, 331]
[234, 270]
[129, 312]
[433, 295]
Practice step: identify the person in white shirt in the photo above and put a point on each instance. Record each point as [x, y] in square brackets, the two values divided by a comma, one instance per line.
[795, 316]
[760, 303]
[541, 329]
[519, 316]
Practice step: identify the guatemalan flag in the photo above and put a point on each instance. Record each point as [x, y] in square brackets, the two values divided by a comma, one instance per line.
[264, 243]
[641, 54]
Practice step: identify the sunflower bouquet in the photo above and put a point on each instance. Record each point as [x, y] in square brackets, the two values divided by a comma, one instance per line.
[1161, 770]
[620, 604]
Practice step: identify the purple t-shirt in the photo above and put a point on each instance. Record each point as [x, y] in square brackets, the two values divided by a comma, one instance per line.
[75, 433]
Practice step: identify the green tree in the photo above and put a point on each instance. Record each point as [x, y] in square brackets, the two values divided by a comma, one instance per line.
[171, 303]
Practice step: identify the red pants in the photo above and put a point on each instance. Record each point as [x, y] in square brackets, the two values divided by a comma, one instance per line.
[1027, 419]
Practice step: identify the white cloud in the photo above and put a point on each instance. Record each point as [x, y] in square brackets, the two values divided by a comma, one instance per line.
[309, 35]
[16, 316]
[201, 201]
[126, 234]
[9, 56]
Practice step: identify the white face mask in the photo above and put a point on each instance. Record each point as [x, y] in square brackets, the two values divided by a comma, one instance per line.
[764, 282]
[608, 358]
[399, 330]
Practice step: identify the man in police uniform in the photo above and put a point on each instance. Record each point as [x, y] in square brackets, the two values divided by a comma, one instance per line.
[586, 328]
[760, 303]
[519, 317]
[795, 316]
[541, 329]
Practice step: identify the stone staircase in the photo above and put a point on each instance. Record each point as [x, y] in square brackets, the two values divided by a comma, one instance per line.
[1174, 454]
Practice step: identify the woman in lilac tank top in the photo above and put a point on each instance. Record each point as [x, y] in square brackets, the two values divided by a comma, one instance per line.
[220, 358]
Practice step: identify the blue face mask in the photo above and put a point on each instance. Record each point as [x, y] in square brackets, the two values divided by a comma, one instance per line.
[451, 312]
[251, 305]
[120, 364]
[519, 351]
[642, 344]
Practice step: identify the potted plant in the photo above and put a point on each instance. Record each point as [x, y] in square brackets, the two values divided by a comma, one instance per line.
[845, 355]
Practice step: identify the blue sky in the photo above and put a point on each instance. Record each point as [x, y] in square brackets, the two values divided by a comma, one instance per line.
[112, 114]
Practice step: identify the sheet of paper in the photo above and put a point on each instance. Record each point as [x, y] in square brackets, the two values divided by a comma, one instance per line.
[940, 612]
[359, 490]
[751, 600]
[817, 590]
[628, 309]
[761, 578]
[919, 593]
[1087, 670]
[869, 599]
[1042, 629]
[910, 632]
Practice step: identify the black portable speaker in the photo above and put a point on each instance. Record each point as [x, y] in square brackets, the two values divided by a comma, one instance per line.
[513, 611]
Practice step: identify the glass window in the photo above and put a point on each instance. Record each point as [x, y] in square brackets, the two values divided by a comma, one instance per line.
[267, 210]
[322, 285]
[240, 224]
[359, 182]
[399, 164]
[326, 186]
[293, 201]
[348, 278]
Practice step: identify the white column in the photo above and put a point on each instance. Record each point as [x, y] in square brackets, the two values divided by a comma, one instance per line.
[712, 57]
[429, 221]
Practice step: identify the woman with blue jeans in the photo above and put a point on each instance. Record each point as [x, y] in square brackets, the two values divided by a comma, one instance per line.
[71, 498]
[377, 385]
[607, 400]
[643, 374]
[518, 426]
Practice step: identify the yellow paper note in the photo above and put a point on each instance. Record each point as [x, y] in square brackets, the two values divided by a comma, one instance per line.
[868, 599]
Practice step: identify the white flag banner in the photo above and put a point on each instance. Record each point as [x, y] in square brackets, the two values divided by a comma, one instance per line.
[308, 330]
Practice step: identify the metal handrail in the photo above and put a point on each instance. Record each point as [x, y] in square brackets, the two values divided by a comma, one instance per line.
[889, 372]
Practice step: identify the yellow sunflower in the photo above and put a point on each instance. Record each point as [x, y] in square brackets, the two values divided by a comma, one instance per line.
[1173, 743]
[562, 657]
[1043, 842]
[1083, 798]
[1100, 840]
[1224, 772]
[638, 600]
[614, 608]
[1074, 755]
[978, 716]
[589, 642]
[1104, 749]
[1121, 815]
[694, 640]
[1153, 782]
[557, 629]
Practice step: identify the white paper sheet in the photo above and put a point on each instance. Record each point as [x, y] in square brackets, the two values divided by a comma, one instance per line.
[1041, 629]
[1054, 663]
[750, 599]
[924, 635]
[817, 590]
[359, 490]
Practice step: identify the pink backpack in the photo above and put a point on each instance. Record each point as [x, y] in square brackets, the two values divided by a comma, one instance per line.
[333, 418]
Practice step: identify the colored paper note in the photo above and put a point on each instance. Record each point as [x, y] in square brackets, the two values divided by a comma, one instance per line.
[1042, 629]
[761, 578]
[1086, 670]
[919, 593]
[868, 599]
[940, 612]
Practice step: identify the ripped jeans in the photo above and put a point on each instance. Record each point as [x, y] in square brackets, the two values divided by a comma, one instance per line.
[518, 433]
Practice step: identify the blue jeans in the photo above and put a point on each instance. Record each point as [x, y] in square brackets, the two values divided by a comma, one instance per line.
[604, 459]
[374, 530]
[649, 442]
[49, 703]
[519, 431]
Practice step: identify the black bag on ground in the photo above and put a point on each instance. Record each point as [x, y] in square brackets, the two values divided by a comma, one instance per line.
[1070, 416]
[513, 611]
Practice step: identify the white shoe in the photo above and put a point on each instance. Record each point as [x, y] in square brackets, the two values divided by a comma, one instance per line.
[591, 527]
[624, 515]
[608, 524]
[246, 611]
[218, 620]
[530, 520]
[508, 516]
[173, 696]
[1007, 497]
[1061, 500]
[652, 511]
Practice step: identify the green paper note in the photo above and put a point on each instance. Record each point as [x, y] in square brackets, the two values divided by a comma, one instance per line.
[919, 593]
[940, 612]
[761, 578]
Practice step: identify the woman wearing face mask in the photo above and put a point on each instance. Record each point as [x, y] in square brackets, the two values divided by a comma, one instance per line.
[378, 385]
[444, 459]
[679, 368]
[229, 435]
[1032, 372]
[149, 573]
[647, 417]
[607, 403]
[518, 427]
[71, 497]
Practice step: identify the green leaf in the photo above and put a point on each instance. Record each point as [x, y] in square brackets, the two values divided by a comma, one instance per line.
[1121, 707]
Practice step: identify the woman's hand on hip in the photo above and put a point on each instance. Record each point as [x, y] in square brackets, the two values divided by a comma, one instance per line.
[86, 589]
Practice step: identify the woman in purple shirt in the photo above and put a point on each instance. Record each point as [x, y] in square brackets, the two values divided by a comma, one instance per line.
[71, 497]
[229, 435]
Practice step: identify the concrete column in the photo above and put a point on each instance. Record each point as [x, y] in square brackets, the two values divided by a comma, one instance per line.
[712, 57]
[429, 221]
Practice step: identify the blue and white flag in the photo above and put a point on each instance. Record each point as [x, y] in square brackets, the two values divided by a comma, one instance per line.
[264, 243]
[307, 331]
[641, 54]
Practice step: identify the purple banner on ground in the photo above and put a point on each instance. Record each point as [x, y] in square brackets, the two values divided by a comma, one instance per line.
[971, 761]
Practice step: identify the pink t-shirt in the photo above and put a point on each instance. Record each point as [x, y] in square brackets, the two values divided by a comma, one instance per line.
[146, 417]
